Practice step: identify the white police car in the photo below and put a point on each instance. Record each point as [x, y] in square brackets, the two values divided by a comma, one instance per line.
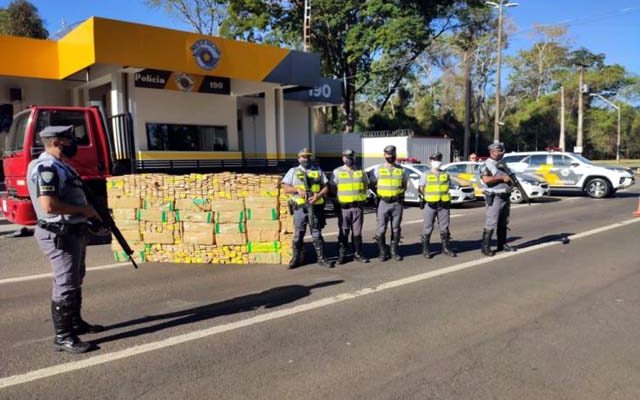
[460, 190]
[570, 171]
[533, 185]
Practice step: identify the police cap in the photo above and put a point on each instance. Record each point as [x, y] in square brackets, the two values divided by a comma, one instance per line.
[436, 156]
[305, 152]
[349, 153]
[57, 131]
[496, 146]
[390, 149]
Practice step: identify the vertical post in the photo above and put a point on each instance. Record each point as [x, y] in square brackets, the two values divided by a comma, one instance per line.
[580, 106]
[496, 122]
[467, 106]
[618, 141]
[307, 25]
[562, 139]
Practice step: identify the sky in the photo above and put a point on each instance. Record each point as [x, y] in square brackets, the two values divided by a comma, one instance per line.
[611, 27]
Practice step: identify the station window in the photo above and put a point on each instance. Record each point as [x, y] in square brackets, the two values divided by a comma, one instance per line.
[182, 137]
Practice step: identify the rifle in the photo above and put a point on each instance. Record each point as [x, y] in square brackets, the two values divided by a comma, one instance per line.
[109, 223]
[503, 167]
[311, 215]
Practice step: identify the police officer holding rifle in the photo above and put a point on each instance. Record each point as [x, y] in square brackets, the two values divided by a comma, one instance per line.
[499, 181]
[307, 187]
[62, 210]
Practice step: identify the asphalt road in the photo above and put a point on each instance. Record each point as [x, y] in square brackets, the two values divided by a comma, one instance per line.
[556, 320]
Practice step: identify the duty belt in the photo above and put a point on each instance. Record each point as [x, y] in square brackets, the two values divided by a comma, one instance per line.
[60, 228]
[389, 200]
[355, 204]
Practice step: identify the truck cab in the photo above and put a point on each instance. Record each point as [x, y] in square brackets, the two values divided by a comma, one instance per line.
[23, 145]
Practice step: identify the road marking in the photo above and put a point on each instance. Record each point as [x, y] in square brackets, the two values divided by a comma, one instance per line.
[270, 316]
[49, 275]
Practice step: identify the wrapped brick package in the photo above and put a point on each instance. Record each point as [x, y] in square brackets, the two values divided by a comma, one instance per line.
[223, 218]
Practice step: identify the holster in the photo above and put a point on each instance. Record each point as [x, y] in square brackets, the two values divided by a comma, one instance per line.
[291, 206]
[489, 197]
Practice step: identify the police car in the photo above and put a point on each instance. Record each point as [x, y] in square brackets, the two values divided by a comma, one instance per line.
[460, 190]
[534, 186]
[571, 171]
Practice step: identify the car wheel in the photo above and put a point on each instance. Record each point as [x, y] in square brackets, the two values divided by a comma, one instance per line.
[516, 196]
[598, 188]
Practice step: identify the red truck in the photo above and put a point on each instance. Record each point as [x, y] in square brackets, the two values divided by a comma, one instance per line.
[95, 160]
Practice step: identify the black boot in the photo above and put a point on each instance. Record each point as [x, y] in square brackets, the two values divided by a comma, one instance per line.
[357, 245]
[383, 250]
[395, 243]
[502, 240]
[296, 258]
[486, 242]
[426, 251]
[322, 261]
[343, 243]
[80, 326]
[446, 244]
[65, 339]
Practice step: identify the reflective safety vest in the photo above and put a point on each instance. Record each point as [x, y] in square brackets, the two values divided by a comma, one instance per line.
[314, 185]
[390, 183]
[437, 188]
[351, 186]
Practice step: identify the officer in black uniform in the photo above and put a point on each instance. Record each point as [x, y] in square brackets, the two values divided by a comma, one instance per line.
[62, 210]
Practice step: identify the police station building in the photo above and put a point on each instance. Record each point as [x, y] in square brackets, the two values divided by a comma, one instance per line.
[184, 99]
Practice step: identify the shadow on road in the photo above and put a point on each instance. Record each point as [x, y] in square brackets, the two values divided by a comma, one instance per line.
[557, 237]
[270, 298]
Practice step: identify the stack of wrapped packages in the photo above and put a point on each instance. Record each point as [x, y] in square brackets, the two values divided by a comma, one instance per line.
[223, 218]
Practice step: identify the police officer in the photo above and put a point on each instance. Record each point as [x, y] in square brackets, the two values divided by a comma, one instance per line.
[390, 182]
[434, 188]
[62, 210]
[497, 195]
[307, 186]
[350, 185]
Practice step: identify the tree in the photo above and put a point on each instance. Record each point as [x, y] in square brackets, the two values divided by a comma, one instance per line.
[21, 18]
[359, 41]
[204, 16]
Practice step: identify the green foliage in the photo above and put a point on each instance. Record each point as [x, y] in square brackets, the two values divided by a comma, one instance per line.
[21, 18]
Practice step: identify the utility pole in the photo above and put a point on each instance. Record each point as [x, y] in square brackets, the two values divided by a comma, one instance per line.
[307, 25]
[499, 6]
[467, 105]
[618, 108]
[578, 148]
[562, 140]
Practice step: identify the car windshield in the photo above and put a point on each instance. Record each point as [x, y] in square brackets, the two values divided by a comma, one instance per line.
[584, 160]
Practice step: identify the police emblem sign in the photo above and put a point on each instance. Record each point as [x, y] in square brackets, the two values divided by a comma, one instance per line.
[206, 54]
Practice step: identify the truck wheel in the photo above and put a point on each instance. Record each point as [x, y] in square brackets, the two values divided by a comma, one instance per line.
[598, 188]
[516, 196]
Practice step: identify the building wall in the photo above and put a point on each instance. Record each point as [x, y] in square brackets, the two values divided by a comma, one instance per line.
[296, 127]
[36, 92]
[169, 106]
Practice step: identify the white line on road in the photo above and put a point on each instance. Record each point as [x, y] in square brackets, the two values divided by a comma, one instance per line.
[188, 337]
[49, 275]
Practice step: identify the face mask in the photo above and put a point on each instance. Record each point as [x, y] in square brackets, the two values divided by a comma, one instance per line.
[304, 163]
[436, 164]
[390, 159]
[348, 162]
[70, 150]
